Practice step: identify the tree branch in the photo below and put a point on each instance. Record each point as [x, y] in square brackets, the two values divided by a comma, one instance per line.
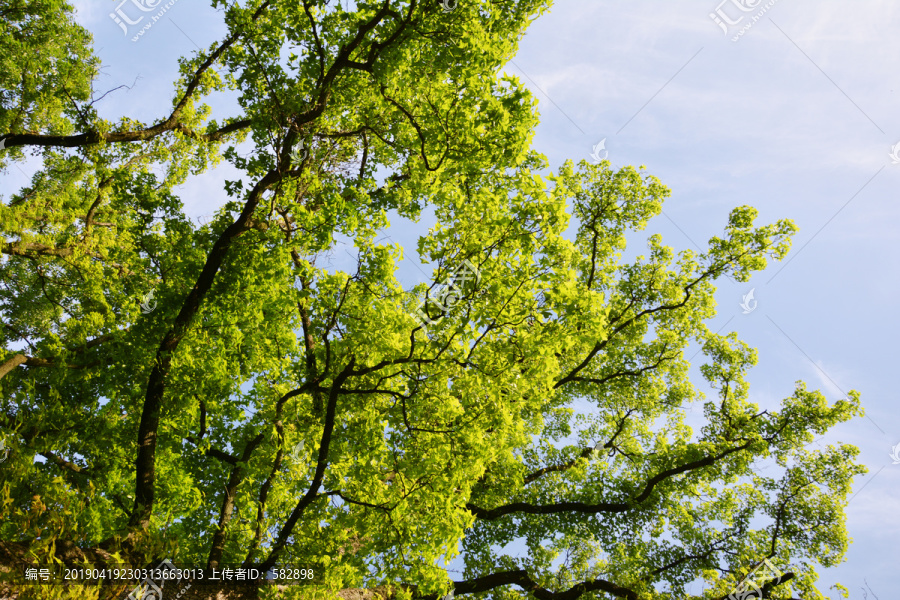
[170, 124]
[522, 579]
[234, 480]
[600, 507]
[321, 464]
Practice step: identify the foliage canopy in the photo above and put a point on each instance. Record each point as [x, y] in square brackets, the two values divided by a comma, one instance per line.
[219, 395]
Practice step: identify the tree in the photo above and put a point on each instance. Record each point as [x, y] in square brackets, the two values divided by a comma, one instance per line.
[217, 395]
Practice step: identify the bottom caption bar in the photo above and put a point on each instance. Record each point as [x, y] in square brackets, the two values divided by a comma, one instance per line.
[153, 578]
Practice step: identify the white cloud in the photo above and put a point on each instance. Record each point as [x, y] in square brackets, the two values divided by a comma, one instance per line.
[830, 379]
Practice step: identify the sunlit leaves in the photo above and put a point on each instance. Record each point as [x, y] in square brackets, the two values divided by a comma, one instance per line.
[546, 408]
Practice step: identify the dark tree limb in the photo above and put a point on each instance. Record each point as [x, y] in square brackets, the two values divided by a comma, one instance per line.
[522, 579]
[601, 507]
[172, 123]
[156, 386]
[321, 464]
[234, 480]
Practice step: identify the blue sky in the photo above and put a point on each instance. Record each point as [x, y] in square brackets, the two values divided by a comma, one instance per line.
[797, 118]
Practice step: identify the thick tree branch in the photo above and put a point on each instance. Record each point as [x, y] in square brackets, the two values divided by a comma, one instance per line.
[522, 579]
[172, 123]
[601, 507]
[321, 464]
[69, 466]
[11, 363]
[234, 480]
[156, 386]
[32, 250]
